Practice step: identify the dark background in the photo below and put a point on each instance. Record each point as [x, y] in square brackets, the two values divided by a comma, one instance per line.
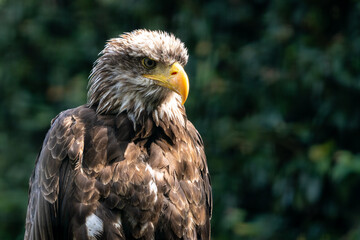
[275, 93]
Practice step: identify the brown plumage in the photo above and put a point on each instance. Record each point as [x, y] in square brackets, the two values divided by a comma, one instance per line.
[128, 164]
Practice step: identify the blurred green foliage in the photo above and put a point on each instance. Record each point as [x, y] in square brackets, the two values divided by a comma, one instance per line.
[275, 88]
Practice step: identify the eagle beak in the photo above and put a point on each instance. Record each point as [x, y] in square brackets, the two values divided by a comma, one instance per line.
[179, 80]
[174, 78]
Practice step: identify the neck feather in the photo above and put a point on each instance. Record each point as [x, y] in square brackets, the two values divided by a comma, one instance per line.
[139, 102]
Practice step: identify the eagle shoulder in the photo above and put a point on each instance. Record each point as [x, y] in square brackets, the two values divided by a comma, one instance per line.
[177, 158]
[64, 140]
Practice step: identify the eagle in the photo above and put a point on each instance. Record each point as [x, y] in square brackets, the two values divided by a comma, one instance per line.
[128, 164]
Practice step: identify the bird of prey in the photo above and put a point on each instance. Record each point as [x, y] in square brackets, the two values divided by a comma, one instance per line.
[128, 164]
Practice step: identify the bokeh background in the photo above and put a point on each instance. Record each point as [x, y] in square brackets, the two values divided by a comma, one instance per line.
[275, 93]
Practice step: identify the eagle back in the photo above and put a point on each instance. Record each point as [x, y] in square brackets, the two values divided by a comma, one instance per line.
[98, 177]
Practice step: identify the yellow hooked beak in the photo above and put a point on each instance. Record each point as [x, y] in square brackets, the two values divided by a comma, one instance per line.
[174, 78]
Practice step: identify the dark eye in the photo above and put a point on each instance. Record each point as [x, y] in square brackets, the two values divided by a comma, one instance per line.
[148, 63]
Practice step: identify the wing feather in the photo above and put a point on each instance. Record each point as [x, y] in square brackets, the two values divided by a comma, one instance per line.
[63, 140]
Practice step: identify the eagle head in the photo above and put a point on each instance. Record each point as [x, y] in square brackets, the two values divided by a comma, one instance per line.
[140, 72]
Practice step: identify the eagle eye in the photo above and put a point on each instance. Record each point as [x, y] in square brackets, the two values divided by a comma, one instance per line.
[148, 63]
